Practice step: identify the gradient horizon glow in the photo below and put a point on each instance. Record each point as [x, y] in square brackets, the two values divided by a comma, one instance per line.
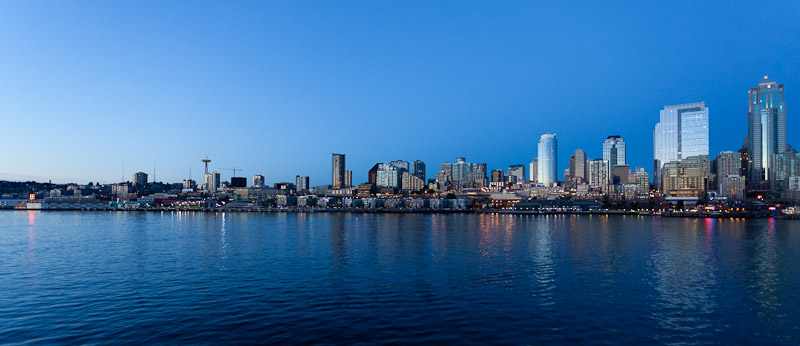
[274, 88]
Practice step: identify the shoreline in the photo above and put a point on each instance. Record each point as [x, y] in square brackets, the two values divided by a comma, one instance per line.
[434, 211]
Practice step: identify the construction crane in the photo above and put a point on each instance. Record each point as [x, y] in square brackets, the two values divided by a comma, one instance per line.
[234, 169]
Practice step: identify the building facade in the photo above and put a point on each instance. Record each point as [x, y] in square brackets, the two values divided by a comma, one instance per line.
[614, 150]
[337, 174]
[682, 132]
[766, 133]
[548, 151]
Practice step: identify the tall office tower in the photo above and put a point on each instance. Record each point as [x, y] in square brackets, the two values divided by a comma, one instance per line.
[348, 178]
[301, 183]
[614, 150]
[212, 181]
[598, 172]
[461, 169]
[787, 165]
[447, 168]
[418, 169]
[372, 175]
[730, 182]
[139, 178]
[390, 174]
[517, 171]
[682, 132]
[258, 180]
[498, 176]
[337, 174]
[533, 171]
[547, 159]
[766, 133]
[577, 166]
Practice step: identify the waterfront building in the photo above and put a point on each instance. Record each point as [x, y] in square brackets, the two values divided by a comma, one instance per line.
[614, 150]
[732, 187]
[139, 179]
[766, 133]
[686, 178]
[533, 171]
[518, 171]
[418, 169]
[548, 151]
[338, 170]
[301, 183]
[577, 166]
[258, 180]
[682, 132]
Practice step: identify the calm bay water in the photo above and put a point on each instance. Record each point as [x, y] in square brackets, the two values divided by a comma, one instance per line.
[127, 277]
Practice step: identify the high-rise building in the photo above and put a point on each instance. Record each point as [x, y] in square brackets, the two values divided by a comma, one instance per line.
[533, 171]
[577, 166]
[598, 172]
[301, 183]
[787, 165]
[461, 169]
[728, 163]
[682, 132]
[238, 182]
[338, 169]
[258, 180]
[766, 133]
[614, 150]
[642, 181]
[498, 176]
[447, 168]
[139, 178]
[547, 159]
[390, 174]
[212, 181]
[517, 171]
[372, 175]
[418, 169]
[348, 178]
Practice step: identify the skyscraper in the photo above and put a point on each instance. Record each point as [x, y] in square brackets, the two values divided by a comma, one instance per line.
[518, 171]
[766, 132]
[682, 132]
[533, 171]
[301, 183]
[418, 169]
[577, 166]
[337, 174]
[348, 177]
[547, 159]
[614, 150]
[212, 181]
[139, 178]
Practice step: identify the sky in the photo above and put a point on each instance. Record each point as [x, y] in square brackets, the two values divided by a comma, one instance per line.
[95, 91]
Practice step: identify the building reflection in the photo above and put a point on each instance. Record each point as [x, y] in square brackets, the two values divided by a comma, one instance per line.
[683, 274]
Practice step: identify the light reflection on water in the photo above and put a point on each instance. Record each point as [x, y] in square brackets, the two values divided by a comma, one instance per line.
[388, 278]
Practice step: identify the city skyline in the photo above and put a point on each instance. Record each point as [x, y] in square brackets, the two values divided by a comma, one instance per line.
[120, 94]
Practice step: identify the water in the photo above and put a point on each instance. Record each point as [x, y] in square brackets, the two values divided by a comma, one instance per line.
[128, 277]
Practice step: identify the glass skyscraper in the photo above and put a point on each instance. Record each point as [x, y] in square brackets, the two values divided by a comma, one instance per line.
[766, 133]
[682, 132]
[614, 151]
[337, 168]
[547, 159]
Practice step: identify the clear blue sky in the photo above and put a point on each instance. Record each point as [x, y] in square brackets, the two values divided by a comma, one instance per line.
[275, 87]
